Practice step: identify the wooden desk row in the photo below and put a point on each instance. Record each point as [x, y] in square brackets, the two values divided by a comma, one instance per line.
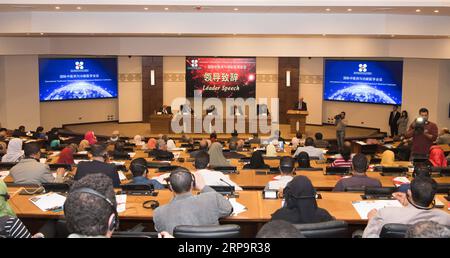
[258, 209]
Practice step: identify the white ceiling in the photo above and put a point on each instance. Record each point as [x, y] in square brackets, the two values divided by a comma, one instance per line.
[376, 9]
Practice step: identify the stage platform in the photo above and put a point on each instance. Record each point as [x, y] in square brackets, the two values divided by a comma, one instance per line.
[143, 129]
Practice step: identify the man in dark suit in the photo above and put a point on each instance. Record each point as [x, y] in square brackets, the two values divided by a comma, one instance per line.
[166, 110]
[301, 105]
[161, 152]
[393, 118]
[98, 165]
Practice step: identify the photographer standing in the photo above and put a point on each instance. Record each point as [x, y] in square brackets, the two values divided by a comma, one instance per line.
[341, 124]
[423, 133]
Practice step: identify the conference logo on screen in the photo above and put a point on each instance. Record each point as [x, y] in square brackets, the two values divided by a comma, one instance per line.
[362, 70]
[79, 67]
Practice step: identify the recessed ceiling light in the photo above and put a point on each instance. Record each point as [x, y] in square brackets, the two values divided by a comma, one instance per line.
[436, 11]
[349, 10]
[324, 35]
[418, 11]
[146, 8]
[167, 8]
[41, 33]
[234, 34]
[236, 9]
[328, 9]
[392, 36]
[57, 7]
[78, 7]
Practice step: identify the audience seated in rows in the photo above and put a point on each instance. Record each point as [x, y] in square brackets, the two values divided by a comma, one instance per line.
[203, 147]
[287, 168]
[256, 161]
[279, 229]
[444, 136]
[39, 133]
[297, 140]
[161, 152]
[310, 149]
[428, 229]
[303, 160]
[437, 157]
[10, 225]
[14, 152]
[114, 136]
[19, 132]
[418, 205]
[319, 142]
[29, 171]
[98, 165]
[216, 157]
[212, 177]
[66, 155]
[345, 159]
[90, 207]
[205, 208]
[359, 177]
[300, 205]
[138, 168]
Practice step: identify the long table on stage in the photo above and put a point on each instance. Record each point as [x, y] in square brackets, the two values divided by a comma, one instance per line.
[162, 124]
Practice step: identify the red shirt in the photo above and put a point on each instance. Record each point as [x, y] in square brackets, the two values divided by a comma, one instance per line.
[421, 144]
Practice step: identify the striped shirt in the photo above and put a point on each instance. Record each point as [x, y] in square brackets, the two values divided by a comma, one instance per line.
[340, 162]
[14, 228]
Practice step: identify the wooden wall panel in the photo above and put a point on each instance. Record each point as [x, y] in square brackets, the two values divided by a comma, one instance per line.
[152, 96]
[288, 95]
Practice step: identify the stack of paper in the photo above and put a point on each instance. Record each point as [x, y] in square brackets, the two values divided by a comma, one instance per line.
[76, 161]
[162, 178]
[237, 207]
[82, 152]
[364, 207]
[54, 174]
[121, 176]
[55, 153]
[49, 201]
[121, 200]
[131, 154]
[4, 174]
[120, 163]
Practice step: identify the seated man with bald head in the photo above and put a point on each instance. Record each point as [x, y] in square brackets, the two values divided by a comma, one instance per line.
[203, 148]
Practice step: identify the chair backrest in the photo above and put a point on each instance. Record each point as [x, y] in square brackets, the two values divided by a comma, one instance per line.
[354, 189]
[394, 230]
[328, 229]
[207, 231]
[127, 234]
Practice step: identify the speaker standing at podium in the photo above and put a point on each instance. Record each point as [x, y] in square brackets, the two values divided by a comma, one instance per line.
[166, 110]
[301, 105]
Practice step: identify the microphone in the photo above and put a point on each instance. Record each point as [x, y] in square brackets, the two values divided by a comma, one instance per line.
[232, 186]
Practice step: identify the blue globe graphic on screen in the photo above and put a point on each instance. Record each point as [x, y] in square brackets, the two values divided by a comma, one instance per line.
[78, 90]
[362, 93]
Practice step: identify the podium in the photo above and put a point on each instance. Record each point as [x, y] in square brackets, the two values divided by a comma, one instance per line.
[297, 120]
[160, 123]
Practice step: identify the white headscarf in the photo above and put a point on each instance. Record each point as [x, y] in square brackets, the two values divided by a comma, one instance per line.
[138, 140]
[171, 145]
[14, 152]
[271, 151]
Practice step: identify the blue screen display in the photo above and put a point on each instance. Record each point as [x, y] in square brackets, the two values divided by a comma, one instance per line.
[77, 78]
[363, 81]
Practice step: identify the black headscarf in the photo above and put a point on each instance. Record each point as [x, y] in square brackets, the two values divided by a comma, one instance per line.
[303, 160]
[300, 203]
[257, 161]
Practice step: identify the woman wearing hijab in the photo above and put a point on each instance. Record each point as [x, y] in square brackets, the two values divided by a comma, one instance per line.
[66, 155]
[303, 160]
[90, 137]
[171, 145]
[151, 144]
[388, 159]
[256, 161]
[13, 227]
[271, 151]
[14, 153]
[300, 204]
[437, 156]
[83, 145]
[216, 158]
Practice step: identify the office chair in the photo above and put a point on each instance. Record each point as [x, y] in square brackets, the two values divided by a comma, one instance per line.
[394, 230]
[132, 234]
[328, 229]
[208, 231]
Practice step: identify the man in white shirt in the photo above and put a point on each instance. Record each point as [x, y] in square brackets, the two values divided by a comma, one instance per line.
[287, 168]
[416, 208]
[211, 177]
[310, 149]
